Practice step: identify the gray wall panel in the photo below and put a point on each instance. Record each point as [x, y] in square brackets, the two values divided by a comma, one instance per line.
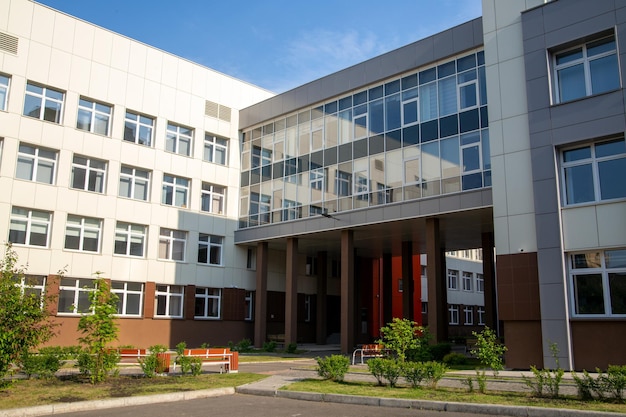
[539, 121]
[550, 266]
[546, 196]
[548, 230]
[587, 110]
[576, 12]
[536, 90]
[542, 160]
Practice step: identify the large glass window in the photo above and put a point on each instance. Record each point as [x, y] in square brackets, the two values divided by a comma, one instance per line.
[32, 286]
[598, 283]
[138, 128]
[207, 305]
[88, 174]
[215, 149]
[74, 295]
[83, 233]
[175, 191]
[210, 249]
[169, 301]
[4, 91]
[130, 297]
[172, 244]
[213, 198]
[179, 139]
[130, 239]
[134, 183]
[30, 227]
[36, 164]
[93, 116]
[587, 69]
[594, 172]
[43, 103]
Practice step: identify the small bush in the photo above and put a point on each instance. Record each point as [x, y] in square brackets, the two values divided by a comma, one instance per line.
[433, 372]
[413, 372]
[439, 351]
[269, 346]
[291, 348]
[152, 364]
[587, 386]
[244, 345]
[377, 369]
[333, 367]
[455, 359]
[392, 370]
[489, 350]
[44, 365]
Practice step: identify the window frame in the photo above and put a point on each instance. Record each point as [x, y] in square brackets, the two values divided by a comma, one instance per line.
[83, 230]
[79, 288]
[172, 186]
[468, 315]
[453, 315]
[212, 194]
[138, 124]
[44, 99]
[37, 161]
[166, 292]
[176, 134]
[129, 233]
[38, 287]
[95, 112]
[91, 174]
[170, 239]
[215, 145]
[210, 243]
[467, 281]
[453, 279]
[29, 224]
[123, 295]
[480, 311]
[208, 298]
[4, 89]
[249, 303]
[133, 179]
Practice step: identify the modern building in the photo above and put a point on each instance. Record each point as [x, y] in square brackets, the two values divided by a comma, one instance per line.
[220, 211]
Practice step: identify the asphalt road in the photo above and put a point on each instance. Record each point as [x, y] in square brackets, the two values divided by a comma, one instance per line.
[239, 405]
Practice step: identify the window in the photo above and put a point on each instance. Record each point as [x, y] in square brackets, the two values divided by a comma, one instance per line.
[93, 116]
[130, 239]
[453, 279]
[249, 305]
[453, 311]
[468, 277]
[178, 139]
[172, 244]
[251, 259]
[207, 304]
[32, 286]
[468, 89]
[215, 149]
[130, 297]
[88, 174]
[311, 265]
[424, 307]
[36, 164]
[210, 249]
[343, 183]
[138, 128]
[30, 227]
[480, 283]
[307, 307]
[317, 178]
[212, 199]
[598, 283]
[134, 183]
[43, 103]
[4, 91]
[594, 172]
[83, 233]
[587, 69]
[74, 295]
[169, 301]
[291, 210]
[175, 191]
[260, 206]
[468, 313]
[481, 315]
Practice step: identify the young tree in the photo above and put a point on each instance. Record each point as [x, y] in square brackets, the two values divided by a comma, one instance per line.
[488, 350]
[24, 318]
[403, 335]
[99, 328]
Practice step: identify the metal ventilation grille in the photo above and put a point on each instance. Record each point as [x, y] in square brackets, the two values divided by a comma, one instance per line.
[211, 109]
[224, 113]
[8, 43]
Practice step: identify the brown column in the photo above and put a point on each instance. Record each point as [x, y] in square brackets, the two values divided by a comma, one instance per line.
[189, 302]
[437, 293]
[347, 291]
[260, 302]
[291, 292]
[489, 275]
[148, 304]
[52, 294]
[407, 280]
[321, 314]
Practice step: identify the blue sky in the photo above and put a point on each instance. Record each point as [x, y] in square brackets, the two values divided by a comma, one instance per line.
[275, 44]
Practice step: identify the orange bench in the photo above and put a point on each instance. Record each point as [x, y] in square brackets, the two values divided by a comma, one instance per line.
[227, 360]
[369, 351]
[131, 355]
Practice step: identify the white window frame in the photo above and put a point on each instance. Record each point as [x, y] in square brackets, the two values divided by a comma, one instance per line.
[177, 135]
[168, 293]
[94, 174]
[343, 183]
[140, 123]
[424, 307]
[213, 198]
[98, 114]
[410, 96]
[5, 83]
[361, 185]
[85, 226]
[249, 300]
[317, 178]
[307, 308]
[130, 234]
[175, 187]
[214, 146]
[35, 160]
[251, 259]
[480, 282]
[481, 315]
[123, 295]
[468, 313]
[453, 279]
[210, 243]
[81, 288]
[468, 278]
[33, 284]
[134, 176]
[453, 314]
[208, 296]
[46, 96]
[476, 144]
[168, 240]
[31, 220]
[463, 83]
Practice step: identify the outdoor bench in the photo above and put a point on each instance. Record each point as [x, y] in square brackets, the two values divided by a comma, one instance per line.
[227, 360]
[369, 351]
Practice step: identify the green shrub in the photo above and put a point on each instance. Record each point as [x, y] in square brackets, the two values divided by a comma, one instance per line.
[489, 350]
[392, 370]
[433, 372]
[333, 367]
[42, 364]
[413, 372]
[547, 379]
[454, 358]
[587, 385]
[152, 364]
[403, 336]
[244, 345]
[291, 348]
[439, 351]
[614, 381]
[377, 369]
[99, 365]
[269, 346]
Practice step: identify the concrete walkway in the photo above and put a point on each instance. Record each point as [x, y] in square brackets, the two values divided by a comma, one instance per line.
[285, 372]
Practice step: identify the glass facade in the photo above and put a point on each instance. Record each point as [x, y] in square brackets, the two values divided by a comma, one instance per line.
[416, 136]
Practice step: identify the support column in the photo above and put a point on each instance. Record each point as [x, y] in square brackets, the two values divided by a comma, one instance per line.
[407, 280]
[489, 275]
[260, 302]
[347, 291]
[291, 292]
[437, 293]
[321, 313]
